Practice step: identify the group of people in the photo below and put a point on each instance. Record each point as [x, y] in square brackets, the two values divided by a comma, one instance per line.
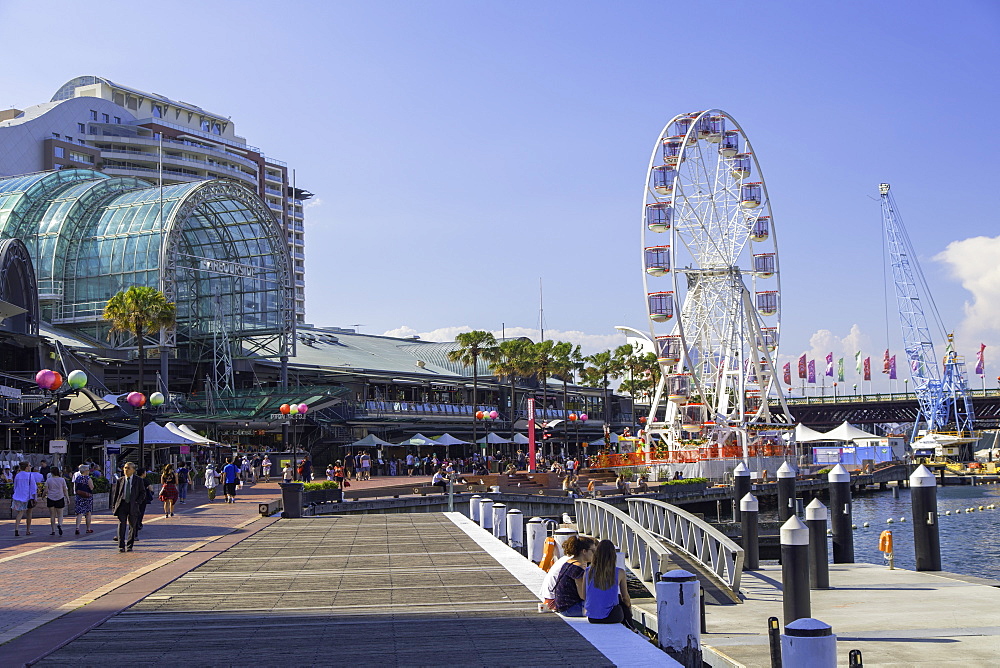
[587, 582]
[49, 484]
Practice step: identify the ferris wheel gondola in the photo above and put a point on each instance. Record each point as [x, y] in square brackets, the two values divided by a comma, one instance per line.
[711, 278]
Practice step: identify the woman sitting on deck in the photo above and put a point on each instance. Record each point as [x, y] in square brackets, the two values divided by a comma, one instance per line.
[607, 596]
[568, 589]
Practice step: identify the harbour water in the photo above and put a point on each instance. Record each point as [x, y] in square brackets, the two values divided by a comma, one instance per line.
[970, 542]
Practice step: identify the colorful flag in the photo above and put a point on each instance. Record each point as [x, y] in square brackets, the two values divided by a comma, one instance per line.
[829, 365]
[868, 369]
[788, 373]
[840, 370]
[802, 367]
[892, 368]
[885, 362]
[980, 360]
[857, 361]
[812, 371]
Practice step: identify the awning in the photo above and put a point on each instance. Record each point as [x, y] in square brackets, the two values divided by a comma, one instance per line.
[369, 441]
[847, 432]
[804, 434]
[494, 439]
[448, 439]
[154, 434]
[418, 440]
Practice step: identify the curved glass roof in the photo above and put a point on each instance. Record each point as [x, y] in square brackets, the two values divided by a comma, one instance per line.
[212, 246]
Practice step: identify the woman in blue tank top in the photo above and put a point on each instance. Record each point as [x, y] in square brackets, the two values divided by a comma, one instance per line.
[607, 598]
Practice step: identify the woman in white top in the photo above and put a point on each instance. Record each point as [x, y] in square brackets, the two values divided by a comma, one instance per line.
[211, 481]
[23, 499]
[55, 495]
[266, 466]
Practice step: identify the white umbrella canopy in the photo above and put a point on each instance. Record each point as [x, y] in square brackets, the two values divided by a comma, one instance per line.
[804, 434]
[847, 432]
[495, 439]
[448, 439]
[419, 439]
[520, 439]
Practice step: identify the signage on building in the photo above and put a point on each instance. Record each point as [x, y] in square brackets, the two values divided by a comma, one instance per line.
[10, 392]
[227, 267]
[58, 447]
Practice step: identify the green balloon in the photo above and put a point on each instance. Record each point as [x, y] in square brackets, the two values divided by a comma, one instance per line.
[77, 379]
[156, 399]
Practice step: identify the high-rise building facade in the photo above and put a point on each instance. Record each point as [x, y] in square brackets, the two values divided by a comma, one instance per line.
[93, 123]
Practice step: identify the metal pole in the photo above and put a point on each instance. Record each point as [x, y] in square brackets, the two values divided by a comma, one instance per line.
[923, 500]
[808, 642]
[840, 515]
[142, 438]
[451, 495]
[474, 507]
[536, 539]
[486, 514]
[678, 617]
[515, 529]
[795, 570]
[748, 521]
[741, 487]
[786, 492]
[819, 567]
[500, 521]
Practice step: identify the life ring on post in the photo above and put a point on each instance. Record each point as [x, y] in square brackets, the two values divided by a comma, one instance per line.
[548, 554]
[885, 542]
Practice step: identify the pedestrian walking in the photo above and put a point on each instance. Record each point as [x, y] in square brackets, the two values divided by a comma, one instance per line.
[230, 478]
[168, 491]
[307, 470]
[183, 478]
[409, 464]
[366, 466]
[56, 492]
[288, 473]
[83, 491]
[266, 468]
[24, 497]
[127, 497]
[211, 481]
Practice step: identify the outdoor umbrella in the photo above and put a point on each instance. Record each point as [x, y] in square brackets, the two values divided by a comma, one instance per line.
[495, 439]
[447, 440]
[418, 440]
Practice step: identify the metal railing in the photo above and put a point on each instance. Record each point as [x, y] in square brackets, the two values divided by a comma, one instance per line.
[720, 559]
[644, 553]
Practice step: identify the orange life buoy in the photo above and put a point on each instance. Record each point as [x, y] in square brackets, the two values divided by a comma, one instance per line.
[885, 542]
[548, 554]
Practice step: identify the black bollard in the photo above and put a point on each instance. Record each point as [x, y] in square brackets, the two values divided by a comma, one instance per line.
[794, 570]
[819, 566]
[840, 515]
[748, 522]
[786, 492]
[741, 487]
[923, 500]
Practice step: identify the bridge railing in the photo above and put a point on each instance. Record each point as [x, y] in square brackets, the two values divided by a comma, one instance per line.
[720, 558]
[644, 553]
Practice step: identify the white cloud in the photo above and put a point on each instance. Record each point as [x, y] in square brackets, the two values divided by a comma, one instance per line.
[589, 343]
[313, 203]
[975, 263]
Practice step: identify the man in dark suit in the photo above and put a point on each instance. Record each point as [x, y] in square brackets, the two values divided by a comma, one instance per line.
[127, 497]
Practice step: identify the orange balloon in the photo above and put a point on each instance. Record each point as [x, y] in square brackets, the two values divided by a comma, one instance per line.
[285, 408]
[57, 381]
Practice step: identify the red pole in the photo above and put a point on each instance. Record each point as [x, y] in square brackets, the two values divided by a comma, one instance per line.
[531, 435]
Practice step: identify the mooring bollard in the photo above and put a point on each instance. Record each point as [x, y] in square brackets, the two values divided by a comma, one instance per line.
[808, 642]
[474, 508]
[741, 487]
[561, 536]
[500, 520]
[819, 566]
[515, 529]
[678, 616]
[486, 514]
[537, 532]
[786, 492]
[794, 570]
[840, 515]
[748, 522]
[923, 502]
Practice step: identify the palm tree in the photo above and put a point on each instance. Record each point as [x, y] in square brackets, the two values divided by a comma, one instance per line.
[513, 362]
[139, 311]
[543, 358]
[566, 359]
[474, 345]
[602, 368]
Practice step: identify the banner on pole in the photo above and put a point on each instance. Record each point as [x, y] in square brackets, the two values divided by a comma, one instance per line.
[840, 370]
[868, 369]
[980, 360]
[788, 373]
[802, 367]
[812, 371]
[892, 368]
[829, 365]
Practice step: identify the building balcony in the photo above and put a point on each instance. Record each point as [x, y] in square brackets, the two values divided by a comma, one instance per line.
[151, 161]
[170, 143]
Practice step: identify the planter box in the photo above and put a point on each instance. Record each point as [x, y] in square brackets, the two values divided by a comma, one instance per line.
[684, 488]
[101, 502]
[322, 496]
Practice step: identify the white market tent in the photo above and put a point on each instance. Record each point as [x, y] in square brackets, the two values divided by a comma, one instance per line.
[493, 438]
[448, 439]
[154, 434]
[369, 441]
[520, 439]
[847, 432]
[188, 433]
[419, 439]
[804, 434]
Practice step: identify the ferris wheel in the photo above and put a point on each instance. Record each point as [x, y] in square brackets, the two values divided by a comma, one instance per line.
[711, 280]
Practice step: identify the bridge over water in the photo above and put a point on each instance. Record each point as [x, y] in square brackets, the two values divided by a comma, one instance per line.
[826, 412]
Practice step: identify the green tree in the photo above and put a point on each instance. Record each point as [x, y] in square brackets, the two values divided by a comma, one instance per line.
[513, 361]
[474, 346]
[602, 368]
[543, 358]
[139, 311]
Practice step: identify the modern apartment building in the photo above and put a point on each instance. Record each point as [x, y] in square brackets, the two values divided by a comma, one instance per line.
[94, 123]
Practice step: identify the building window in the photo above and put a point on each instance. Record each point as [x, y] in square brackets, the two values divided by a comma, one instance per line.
[216, 129]
[118, 120]
[59, 152]
[56, 135]
[69, 139]
[206, 126]
[57, 166]
[107, 119]
[81, 128]
[157, 111]
[93, 115]
[81, 157]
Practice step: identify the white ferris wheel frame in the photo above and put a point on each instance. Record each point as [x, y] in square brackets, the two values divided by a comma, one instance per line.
[704, 234]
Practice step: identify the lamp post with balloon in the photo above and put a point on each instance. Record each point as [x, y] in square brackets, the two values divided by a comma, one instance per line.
[293, 412]
[52, 381]
[485, 416]
[137, 400]
[577, 420]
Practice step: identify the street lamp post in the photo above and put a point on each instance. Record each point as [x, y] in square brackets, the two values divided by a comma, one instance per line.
[53, 381]
[292, 412]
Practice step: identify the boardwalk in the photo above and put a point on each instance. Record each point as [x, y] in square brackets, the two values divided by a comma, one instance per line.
[391, 590]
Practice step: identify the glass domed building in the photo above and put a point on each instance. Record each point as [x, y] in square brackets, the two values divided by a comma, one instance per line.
[213, 247]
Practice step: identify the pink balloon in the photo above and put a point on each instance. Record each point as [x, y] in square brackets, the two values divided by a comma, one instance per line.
[583, 416]
[45, 378]
[494, 415]
[136, 399]
[303, 409]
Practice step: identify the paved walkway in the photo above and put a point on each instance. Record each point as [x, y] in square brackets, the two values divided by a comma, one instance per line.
[392, 590]
[47, 576]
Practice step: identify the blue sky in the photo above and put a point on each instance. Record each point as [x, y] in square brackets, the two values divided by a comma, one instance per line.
[462, 151]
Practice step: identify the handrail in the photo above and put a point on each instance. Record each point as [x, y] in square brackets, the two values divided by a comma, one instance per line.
[644, 553]
[696, 540]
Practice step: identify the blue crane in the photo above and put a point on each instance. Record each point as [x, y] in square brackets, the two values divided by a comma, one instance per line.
[942, 393]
